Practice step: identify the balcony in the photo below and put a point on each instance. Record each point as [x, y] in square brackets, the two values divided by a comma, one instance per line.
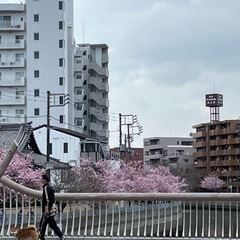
[100, 71]
[20, 118]
[100, 86]
[101, 101]
[12, 44]
[105, 58]
[200, 164]
[20, 100]
[200, 144]
[13, 64]
[12, 81]
[97, 128]
[222, 131]
[199, 134]
[103, 117]
[234, 141]
[199, 154]
[12, 26]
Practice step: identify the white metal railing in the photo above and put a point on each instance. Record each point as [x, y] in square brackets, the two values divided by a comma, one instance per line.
[125, 215]
[186, 215]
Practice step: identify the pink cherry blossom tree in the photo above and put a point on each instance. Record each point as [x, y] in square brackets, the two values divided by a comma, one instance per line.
[89, 177]
[123, 177]
[21, 170]
[212, 183]
[133, 177]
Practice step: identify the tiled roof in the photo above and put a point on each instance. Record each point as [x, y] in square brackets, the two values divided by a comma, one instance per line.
[19, 132]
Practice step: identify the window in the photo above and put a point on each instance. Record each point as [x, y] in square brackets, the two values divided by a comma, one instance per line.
[36, 36]
[19, 112]
[78, 90]
[61, 81]
[78, 60]
[78, 121]
[19, 57]
[36, 93]
[19, 94]
[36, 74]
[60, 24]
[78, 75]
[84, 67]
[60, 5]
[60, 118]
[65, 147]
[61, 62]
[84, 52]
[36, 55]
[61, 43]
[5, 21]
[61, 100]
[36, 18]
[78, 106]
[36, 111]
[19, 75]
[18, 38]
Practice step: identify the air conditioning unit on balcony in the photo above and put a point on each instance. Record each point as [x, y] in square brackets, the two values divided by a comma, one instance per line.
[3, 119]
[11, 63]
[2, 63]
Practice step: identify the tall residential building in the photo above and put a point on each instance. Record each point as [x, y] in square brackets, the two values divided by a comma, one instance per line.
[38, 54]
[218, 151]
[91, 79]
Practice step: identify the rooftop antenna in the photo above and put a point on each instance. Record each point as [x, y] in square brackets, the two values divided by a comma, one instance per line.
[83, 31]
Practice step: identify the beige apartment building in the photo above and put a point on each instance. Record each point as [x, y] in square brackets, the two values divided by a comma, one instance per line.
[217, 152]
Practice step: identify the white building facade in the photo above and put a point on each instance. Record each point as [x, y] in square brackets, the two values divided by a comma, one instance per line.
[38, 54]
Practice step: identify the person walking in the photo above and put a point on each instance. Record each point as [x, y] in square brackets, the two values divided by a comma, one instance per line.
[48, 198]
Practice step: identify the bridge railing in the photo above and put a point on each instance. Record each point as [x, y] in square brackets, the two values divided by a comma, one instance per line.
[133, 215]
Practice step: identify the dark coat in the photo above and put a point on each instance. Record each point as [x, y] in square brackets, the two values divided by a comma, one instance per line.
[51, 197]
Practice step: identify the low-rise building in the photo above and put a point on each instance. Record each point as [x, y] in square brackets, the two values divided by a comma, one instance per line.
[170, 151]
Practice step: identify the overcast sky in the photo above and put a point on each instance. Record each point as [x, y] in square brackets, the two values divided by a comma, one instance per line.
[165, 55]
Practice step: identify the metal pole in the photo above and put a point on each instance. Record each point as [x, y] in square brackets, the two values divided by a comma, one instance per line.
[48, 133]
[120, 129]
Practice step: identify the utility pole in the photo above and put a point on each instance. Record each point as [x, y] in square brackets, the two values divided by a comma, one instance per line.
[131, 122]
[48, 134]
[55, 104]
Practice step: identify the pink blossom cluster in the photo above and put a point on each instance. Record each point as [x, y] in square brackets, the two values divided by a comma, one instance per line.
[22, 171]
[212, 182]
[128, 177]
[133, 177]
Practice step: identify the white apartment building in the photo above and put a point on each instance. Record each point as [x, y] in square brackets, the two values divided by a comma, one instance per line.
[91, 79]
[171, 151]
[38, 54]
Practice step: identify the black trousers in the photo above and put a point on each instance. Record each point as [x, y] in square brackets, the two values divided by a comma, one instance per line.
[52, 224]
